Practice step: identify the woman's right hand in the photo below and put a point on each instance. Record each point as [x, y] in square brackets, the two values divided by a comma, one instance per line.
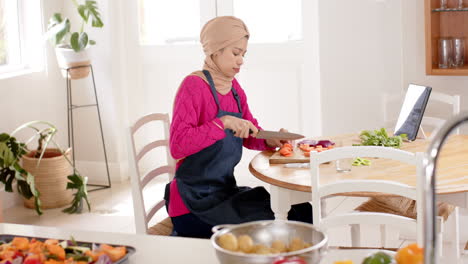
[241, 127]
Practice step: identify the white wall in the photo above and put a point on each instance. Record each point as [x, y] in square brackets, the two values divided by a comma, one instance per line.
[414, 61]
[360, 60]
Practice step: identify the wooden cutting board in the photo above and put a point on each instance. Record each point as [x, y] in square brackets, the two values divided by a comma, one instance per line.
[297, 157]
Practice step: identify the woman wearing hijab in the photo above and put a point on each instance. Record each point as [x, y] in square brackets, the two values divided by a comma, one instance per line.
[210, 124]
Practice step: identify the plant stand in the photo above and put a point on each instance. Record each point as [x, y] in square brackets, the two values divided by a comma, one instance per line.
[71, 107]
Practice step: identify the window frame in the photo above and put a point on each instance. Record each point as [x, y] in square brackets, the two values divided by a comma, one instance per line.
[25, 52]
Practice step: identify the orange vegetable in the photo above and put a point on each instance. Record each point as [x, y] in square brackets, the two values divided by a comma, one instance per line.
[344, 262]
[36, 247]
[287, 145]
[51, 242]
[114, 253]
[285, 151]
[307, 154]
[411, 254]
[20, 243]
[56, 250]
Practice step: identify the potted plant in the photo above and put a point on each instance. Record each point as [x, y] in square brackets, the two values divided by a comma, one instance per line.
[34, 169]
[71, 47]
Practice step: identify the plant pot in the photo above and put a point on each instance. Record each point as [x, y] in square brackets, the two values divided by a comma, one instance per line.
[50, 178]
[67, 58]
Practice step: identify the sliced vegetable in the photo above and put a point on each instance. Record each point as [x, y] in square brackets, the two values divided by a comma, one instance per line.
[325, 143]
[361, 162]
[309, 142]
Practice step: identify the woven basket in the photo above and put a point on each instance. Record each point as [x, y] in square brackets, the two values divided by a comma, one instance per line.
[50, 178]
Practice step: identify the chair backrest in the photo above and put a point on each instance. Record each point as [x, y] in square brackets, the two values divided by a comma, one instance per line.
[358, 186]
[390, 101]
[453, 100]
[144, 213]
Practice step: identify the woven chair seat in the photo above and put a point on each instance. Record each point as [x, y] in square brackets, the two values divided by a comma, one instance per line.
[400, 206]
[163, 228]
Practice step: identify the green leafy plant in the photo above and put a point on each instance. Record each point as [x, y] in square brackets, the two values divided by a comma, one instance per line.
[11, 151]
[380, 137]
[59, 28]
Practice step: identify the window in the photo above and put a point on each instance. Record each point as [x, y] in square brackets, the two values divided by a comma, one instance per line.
[179, 21]
[9, 34]
[20, 35]
[168, 22]
[271, 20]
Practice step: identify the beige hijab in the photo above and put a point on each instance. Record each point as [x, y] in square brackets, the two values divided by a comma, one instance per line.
[217, 34]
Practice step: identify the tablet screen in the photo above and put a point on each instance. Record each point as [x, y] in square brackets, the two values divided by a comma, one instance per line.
[412, 110]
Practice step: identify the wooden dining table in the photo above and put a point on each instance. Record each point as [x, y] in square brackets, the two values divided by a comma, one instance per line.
[292, 185]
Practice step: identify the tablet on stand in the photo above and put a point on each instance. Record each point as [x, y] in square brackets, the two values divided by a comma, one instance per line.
[412, 111]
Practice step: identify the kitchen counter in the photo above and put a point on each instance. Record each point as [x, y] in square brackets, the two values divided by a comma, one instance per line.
[156, 249]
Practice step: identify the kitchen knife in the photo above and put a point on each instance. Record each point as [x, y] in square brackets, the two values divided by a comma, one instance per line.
[265, 134]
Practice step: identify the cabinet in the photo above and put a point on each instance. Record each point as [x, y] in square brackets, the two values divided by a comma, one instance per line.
[448, 22]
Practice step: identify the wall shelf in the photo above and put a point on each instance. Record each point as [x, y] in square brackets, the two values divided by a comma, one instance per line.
[449, 22]
[450, 9]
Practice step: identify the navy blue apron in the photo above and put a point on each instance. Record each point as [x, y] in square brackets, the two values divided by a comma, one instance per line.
[206, 180]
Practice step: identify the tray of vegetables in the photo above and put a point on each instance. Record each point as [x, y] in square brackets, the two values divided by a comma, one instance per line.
[33, 250]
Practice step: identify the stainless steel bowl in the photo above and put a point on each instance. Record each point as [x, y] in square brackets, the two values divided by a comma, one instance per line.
[265, 232]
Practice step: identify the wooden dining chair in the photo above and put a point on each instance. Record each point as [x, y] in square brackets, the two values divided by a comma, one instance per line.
[145, 212]
[355, 219]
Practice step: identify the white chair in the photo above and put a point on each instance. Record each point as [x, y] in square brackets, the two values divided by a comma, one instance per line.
[354, 218]
[144, 213]
[391, 103]
[453, 100]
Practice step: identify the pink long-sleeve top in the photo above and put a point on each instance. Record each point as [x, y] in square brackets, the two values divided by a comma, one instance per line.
[193, 126]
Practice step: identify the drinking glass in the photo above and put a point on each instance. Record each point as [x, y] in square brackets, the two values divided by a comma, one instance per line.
[458, 52]
[445, 53]
[343, 165]
[460, 4]
[443, 4]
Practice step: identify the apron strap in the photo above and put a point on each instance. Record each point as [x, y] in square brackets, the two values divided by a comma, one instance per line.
[212, 86]
[236, 96]
[215, 95]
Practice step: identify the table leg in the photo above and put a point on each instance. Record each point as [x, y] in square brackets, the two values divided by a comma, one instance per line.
[282, 199]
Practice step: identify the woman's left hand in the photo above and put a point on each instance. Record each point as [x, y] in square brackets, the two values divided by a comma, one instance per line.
[273, 143]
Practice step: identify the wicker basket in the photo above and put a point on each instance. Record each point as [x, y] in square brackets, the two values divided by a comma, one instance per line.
[50, 178]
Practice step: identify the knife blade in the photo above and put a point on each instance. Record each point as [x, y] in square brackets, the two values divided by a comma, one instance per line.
[265, 134]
